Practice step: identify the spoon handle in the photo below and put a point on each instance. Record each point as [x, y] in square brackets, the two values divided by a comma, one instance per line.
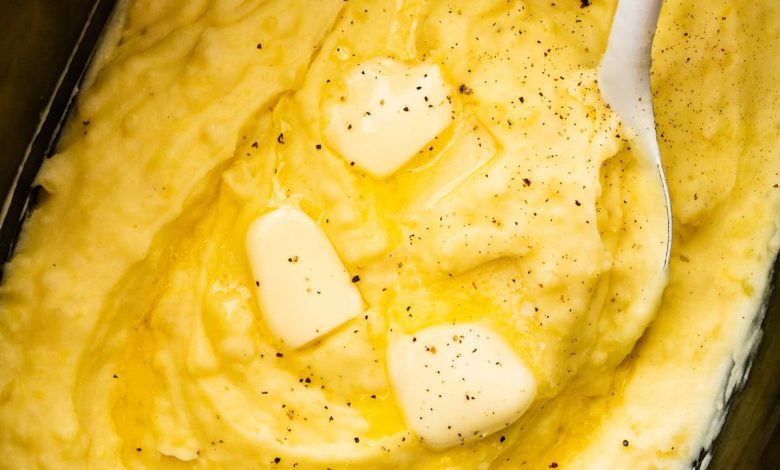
[624, 74]
[624, 82]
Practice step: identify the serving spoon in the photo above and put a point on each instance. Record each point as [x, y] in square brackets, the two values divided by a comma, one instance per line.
[624, 82]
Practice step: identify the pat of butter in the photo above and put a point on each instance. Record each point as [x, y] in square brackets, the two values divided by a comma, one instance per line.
[390, 111]
[457, 383]
[303, 289]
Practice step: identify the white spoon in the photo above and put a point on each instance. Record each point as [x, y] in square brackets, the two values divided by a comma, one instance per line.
[624, 81]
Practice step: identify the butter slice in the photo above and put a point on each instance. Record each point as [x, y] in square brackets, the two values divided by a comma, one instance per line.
[303, 289]
[391, 110]
[458, 383]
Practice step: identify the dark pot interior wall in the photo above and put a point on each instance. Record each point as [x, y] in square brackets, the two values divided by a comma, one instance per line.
[37, 40]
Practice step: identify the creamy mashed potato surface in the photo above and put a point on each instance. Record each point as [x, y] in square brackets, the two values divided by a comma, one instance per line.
[130, 326]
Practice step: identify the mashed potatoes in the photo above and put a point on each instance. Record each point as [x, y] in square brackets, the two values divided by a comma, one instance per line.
[132, 332]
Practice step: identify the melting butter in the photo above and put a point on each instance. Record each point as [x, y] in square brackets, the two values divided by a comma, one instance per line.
[458, 383]
[390, 111]
[303, 289]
